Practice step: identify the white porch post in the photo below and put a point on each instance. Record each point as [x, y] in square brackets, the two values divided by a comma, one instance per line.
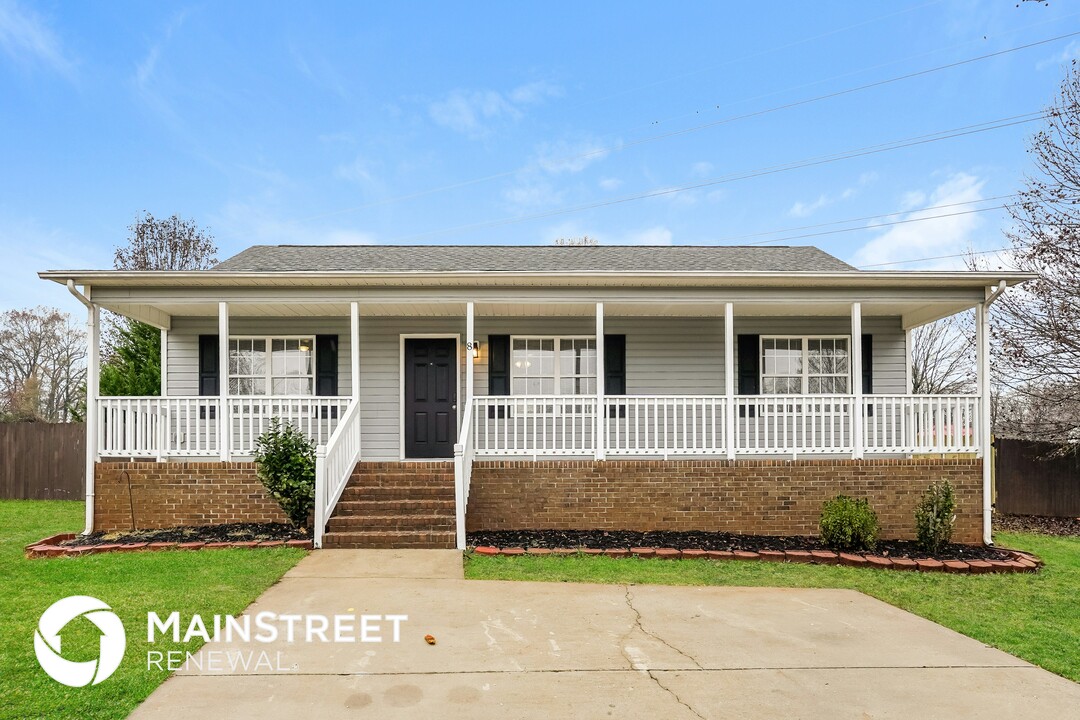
[856, 381]
[600, 421]
[470, 347]
[354, 344]
[164, 363]
[163, 408]
[986, 451]
[93, 373]
[224, 423]
[908, 379]
[729, 379]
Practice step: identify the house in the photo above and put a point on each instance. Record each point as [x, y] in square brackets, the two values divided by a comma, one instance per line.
[496, 387]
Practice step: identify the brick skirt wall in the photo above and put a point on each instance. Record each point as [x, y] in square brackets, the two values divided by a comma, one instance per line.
[760, 497]
[169, 494]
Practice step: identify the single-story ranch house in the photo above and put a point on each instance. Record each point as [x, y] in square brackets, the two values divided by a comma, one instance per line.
[494, 387]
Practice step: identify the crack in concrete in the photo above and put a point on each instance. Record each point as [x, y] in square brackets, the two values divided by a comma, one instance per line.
[673, 694]
[637, 623]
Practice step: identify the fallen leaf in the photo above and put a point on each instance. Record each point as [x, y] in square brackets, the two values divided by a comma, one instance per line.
[429, 639]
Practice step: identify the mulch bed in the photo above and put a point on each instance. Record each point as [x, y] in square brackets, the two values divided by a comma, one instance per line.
[234, 532]
[624, 539]
[1061, 527]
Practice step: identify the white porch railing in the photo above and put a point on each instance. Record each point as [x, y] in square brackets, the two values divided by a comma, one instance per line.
[694, 425]
[664, 425]
[464, 452]
[159, 427]
[334, 463]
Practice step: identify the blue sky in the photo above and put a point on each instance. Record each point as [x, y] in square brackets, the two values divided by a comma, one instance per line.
[451, 122]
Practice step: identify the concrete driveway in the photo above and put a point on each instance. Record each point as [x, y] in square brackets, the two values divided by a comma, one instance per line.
[555, 650]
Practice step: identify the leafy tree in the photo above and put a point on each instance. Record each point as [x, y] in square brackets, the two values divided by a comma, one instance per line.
[134, 368]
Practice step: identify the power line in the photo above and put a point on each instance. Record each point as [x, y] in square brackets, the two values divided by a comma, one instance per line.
[936, 257]
[697, 128]
[819, 160]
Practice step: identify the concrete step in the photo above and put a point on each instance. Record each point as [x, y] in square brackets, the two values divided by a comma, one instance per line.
[392, 522]
[405, 506]
[389, 539]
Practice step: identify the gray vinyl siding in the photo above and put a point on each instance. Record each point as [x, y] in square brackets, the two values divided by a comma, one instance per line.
[664, 355]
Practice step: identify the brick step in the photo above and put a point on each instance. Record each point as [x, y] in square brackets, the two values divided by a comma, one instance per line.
[424, 467]
[406, 506]
[392, 522]
[435, 492]
[401, 480]
[389, 539]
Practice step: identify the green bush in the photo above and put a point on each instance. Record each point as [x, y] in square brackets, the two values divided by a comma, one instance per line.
[286, 459]
[848, 524]
[934, 517]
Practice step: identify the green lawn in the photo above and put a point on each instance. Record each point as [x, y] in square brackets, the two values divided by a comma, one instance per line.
[206, 582]
[1035, 617]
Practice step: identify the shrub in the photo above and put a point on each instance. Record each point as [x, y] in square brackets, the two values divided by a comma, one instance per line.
[286, 459]
[848, 524]
[934, 517]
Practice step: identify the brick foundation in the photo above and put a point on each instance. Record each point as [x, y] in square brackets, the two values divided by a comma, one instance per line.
[760, 497]
[169, 494]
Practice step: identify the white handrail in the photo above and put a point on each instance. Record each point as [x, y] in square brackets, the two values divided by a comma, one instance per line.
[464, 454]
[334, 463]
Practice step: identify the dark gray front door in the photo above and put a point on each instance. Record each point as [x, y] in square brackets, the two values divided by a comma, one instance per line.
[430, 397]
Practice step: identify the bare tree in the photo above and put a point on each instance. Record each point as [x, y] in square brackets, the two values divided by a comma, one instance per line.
[42, 364]
[170, 244]
[943, 357]
[583, 241]
[1036, 328]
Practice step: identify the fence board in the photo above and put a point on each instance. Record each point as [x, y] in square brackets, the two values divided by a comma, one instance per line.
[42, 461]
[1034, 478]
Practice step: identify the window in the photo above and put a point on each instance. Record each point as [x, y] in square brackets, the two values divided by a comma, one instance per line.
[805, 365]
[288, 368]
[537, 368]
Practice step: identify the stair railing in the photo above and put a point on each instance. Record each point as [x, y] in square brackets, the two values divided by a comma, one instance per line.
[463, 462]
[334, 464]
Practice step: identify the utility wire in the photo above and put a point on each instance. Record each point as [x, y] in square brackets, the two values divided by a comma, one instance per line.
[819, 160]
[936, 257]
[697, 128]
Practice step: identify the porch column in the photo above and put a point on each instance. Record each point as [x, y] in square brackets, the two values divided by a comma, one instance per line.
[729, 379]
[354, 343]
[985, 451]
[164, 363]
[599, 420]
[93, 374]
[908, 379]
[856, 381]
[471, 349]
[224, 424]
[164, 431]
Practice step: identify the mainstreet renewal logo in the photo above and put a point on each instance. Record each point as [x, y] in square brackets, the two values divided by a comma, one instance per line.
[47, 641]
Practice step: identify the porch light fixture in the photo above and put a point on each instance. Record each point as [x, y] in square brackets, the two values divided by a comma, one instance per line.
[474, 345]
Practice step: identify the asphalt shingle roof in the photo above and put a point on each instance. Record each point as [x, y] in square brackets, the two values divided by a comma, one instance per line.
[531, 258]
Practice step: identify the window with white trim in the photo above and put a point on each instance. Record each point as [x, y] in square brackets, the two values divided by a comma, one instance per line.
[552, 365]
[805, 365]
[286, 369]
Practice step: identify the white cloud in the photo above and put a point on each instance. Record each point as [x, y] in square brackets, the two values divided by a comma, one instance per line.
[146, 68]
[931, 238]
[27, 38]
[610, 183]
[29, 247]
[252, 223]
[474, 112]
[1070, 51]
[532, 193]
[358, 171]
[701, 169]
[569, 156]
[807, 208]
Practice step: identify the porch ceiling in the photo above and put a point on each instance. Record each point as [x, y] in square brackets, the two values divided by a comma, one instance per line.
[913, 311]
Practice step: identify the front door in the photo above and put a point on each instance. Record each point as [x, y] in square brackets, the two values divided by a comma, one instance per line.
[430, 397]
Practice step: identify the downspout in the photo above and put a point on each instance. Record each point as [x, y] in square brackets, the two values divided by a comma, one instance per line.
[984, 400]
[91, 417]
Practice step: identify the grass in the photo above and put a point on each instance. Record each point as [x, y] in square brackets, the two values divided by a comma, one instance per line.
[1031, 616]
[206, 582]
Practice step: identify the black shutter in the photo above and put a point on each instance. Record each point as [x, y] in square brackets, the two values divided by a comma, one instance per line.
[615, 371]
[749, 365]
[326, 365]
[209, 375]
[749, 369]
[498, 370]
[867, 364]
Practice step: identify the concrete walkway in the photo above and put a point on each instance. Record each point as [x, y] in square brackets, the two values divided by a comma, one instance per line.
[556, 650]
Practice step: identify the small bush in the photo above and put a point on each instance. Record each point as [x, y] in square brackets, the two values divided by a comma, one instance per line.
[848, 524]
[935, 516]
[286, 459]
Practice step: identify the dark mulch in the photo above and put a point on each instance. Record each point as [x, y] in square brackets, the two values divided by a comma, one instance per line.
[1062, 527]
[238, 532]
[614, 539]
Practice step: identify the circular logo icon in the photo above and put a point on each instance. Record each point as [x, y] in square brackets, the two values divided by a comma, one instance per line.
[47, 641]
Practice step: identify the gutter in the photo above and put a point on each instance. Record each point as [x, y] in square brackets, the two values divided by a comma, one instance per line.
[988, 447]
[91, 397]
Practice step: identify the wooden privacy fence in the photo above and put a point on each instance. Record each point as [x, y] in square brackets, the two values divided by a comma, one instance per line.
[1037, 478]
[42, 461]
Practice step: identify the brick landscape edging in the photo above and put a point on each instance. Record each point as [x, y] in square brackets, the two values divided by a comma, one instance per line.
[1020, 561]
[51, 547]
